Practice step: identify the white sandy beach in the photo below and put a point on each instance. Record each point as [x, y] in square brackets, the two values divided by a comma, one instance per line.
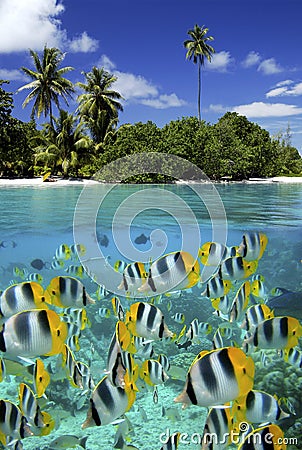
[38, 181]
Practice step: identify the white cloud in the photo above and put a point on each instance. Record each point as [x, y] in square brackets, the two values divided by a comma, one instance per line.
[29, 24]
[34, 24]
[137, 88]
[83, 43]
[276, 92]
[261, 109]
[286, 89]
[164, 101]
[269, 67]
[295, 90]
[106, 63]
[133, 86]
[220, 61]
[284, 83]
[218, 108]
[12, 75]
[251, 59]
[129, 85]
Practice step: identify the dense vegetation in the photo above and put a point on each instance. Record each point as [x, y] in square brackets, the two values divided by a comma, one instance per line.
[79, 144]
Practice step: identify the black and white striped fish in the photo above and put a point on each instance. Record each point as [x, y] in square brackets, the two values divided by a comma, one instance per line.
[217, 377]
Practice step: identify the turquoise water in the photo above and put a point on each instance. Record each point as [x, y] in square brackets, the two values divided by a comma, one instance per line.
[35, 221]
[38, 220]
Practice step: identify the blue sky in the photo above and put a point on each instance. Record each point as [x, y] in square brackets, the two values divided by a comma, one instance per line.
[256, 70]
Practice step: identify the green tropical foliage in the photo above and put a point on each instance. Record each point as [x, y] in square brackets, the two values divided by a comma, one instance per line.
[198, 50]
[99, 105]
[63, 147]
[16, 154]
[80, 143]
[48, 82]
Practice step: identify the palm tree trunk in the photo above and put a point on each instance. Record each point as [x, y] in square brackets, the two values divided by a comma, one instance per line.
[199, 91]
[50, 115]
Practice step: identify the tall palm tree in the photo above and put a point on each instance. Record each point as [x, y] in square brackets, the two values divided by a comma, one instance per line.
[48, 82]
[198, 49]
[99, 105]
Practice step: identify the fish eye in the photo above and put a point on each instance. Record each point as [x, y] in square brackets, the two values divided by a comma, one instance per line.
[58, 332]
[43, 299]
[294, 332]
[53, 292]
[40, 379]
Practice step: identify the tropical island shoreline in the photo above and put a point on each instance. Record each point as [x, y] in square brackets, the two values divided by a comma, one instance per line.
[59, 181]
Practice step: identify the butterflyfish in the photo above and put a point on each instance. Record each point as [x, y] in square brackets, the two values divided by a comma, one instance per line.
[37, 277]
[269, 436]
[108, 403]
[75, 271]
[29, 406]
[277, 332]
[254, 315]
[212, 253]
[118, 309]
[217, 377]
[77, 250]
[124, 337]
[237, 268]
[57, 264]
[197, 329]
[164, 361]
[134, 275]
[153, 373]
[101, 292]
[222, 305]
[2, 370]
[178, 317]
[218, 425]
[258, 289]
[120, 266]
[258, 407]
[76, 316]
[13, 423]
[252, 246]
[23, 296]
[145, 320]
[293, 356]
[115, 369]
[240, 302]
[33, 333]
[177, 270]
[67, 291]
[63, 252]
[73, 371]
[41, 377]
[216, 288]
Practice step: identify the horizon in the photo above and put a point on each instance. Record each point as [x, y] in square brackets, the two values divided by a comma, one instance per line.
[254, 72]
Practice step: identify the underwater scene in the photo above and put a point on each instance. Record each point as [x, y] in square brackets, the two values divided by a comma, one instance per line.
[151, 316]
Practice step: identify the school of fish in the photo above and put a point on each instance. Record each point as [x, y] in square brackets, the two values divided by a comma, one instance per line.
[38, 322]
